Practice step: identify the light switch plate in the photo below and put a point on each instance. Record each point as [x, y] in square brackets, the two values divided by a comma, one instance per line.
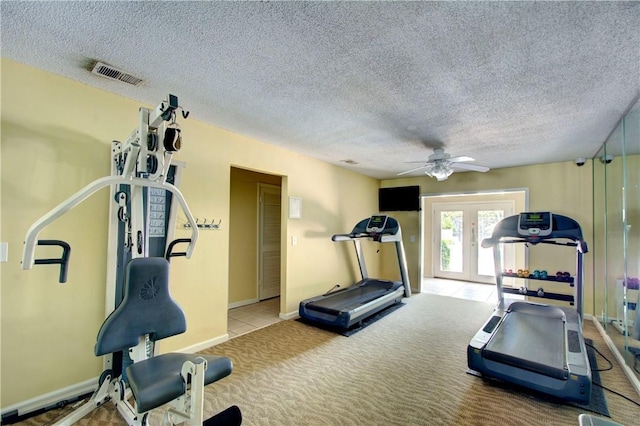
[4, 252]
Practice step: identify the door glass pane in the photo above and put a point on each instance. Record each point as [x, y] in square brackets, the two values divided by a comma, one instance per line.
[451, 241]
[487, 220]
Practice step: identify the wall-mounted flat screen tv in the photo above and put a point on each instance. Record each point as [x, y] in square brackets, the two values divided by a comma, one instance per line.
[399, 199]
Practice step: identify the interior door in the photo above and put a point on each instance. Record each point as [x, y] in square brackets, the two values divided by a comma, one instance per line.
[459, 229]
[269, 242]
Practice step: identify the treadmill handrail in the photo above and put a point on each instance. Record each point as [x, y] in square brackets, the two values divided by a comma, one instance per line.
[390, 234]
[580, 245]
[350, 237]
[341, 237]
[564, 228]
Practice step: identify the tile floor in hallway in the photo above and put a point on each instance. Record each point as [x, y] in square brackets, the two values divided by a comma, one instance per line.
[245, 319]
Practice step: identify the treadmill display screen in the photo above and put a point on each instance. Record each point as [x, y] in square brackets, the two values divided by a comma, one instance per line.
[535, 223]
[376, 223]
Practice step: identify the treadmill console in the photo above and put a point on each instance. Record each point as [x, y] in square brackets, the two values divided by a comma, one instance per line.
[535, 224]
[376, 224]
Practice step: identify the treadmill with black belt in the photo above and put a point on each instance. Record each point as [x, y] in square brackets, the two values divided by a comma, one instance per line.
[537, 346]
[346, 307]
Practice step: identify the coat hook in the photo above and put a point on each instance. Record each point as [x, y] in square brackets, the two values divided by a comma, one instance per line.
[205, 224]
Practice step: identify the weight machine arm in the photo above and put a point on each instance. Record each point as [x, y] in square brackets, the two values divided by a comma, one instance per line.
[31, 237]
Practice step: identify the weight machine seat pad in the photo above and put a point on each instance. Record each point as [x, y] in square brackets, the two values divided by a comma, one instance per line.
[147, 308]
[158, 380]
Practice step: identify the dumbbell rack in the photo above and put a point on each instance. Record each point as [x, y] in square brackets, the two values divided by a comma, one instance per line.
[534, 293]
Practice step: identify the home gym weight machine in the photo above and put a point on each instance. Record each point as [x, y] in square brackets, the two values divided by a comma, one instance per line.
[139, 307]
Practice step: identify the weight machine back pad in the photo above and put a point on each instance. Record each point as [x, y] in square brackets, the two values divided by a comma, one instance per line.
[147, 308]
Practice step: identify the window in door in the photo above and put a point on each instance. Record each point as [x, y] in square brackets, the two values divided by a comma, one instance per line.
[459, 229]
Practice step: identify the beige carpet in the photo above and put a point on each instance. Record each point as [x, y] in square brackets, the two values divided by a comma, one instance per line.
[409, 368]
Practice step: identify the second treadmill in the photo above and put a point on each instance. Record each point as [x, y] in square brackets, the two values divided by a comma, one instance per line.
[346, 307]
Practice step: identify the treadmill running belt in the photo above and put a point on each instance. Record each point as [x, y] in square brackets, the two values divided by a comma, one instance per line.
[532, 342]
[352, 297]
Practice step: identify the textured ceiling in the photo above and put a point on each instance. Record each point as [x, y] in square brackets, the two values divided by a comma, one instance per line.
[378, 83]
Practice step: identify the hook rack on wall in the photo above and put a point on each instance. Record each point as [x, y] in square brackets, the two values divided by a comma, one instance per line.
[204, 225]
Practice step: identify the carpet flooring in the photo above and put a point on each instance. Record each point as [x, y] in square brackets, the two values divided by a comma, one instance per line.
[408, 368]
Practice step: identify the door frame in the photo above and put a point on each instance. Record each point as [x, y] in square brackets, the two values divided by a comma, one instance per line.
[520, 194]
[282, 183]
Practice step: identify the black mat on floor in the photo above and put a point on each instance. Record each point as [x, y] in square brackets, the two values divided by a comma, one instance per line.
[356, 327]
[598, 401]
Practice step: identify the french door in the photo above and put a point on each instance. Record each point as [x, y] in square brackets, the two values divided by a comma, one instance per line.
[459, 229]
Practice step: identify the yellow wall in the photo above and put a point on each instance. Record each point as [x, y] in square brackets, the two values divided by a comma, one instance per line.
[562, 188]
[56, 137]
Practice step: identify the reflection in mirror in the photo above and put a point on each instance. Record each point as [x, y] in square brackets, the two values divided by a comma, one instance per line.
[616, 192]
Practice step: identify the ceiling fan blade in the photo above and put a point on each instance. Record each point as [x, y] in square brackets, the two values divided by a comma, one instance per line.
[473, 167]
[460, 159]
[413, 170]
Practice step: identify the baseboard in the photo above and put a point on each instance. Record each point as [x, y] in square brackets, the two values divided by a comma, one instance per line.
[243, 303]
[68, 393]
[204, 345]
[290, 315]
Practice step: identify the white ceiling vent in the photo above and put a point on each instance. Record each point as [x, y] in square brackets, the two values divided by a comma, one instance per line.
[113, 73]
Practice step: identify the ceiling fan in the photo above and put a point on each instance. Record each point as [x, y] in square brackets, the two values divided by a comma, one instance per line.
[440, 165]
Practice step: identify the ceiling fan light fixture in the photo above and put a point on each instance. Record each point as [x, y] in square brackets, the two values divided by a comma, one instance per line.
[439, 171]
[440, 165]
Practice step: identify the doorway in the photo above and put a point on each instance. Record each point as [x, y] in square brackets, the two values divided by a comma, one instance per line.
[453, 227]
[459, 229]
[254, 237]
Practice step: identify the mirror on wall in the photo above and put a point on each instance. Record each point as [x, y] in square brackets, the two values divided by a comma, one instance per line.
[632, 154]
[616, 197]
